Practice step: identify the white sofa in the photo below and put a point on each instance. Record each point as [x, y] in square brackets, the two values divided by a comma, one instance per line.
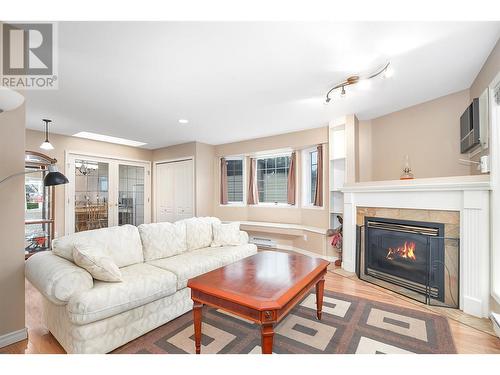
[155, 260]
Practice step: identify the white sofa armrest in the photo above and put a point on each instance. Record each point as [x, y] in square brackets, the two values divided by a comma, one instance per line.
[56, 278]
[243, 237]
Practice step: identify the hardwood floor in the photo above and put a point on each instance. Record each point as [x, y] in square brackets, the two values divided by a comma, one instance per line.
[471, 335]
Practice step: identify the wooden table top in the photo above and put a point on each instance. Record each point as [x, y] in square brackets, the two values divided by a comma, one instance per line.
[266, 280]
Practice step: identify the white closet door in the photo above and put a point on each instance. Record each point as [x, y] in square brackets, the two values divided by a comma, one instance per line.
[184, 189]
[175, 189]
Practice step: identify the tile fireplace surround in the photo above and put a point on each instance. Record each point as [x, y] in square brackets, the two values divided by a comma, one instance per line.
[438, 199]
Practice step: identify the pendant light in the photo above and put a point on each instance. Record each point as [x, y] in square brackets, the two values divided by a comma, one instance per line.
[46, 145]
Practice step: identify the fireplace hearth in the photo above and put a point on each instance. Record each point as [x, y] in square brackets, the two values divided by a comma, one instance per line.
[407, 257]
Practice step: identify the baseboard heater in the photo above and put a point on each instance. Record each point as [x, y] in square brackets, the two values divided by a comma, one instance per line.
[263, 242]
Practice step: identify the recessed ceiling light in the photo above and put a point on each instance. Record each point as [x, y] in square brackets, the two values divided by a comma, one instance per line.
[109, 139]
[183, 121]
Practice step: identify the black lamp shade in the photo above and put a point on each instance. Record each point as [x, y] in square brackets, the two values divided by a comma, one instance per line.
[54, 177]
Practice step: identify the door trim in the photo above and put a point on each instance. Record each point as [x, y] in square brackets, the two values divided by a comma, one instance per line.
[155, 193]
[110, 159]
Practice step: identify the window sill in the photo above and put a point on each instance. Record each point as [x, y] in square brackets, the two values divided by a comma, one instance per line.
[312, 207]
[233, 205]
[273, 205]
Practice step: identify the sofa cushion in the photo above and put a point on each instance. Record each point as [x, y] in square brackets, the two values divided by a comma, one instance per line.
[163, 240]
[226, 234]
[199, 231]
[142, 283]
[100, 266]
[122, 244]
[194, 263]
[229, 254]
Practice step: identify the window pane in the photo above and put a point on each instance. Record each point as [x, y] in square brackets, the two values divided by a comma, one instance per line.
[273, 179]
[281, 162]
[314, 172]
[131, 195]
[314, 157]
[235, 180]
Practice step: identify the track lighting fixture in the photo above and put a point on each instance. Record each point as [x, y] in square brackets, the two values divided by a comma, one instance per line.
[386, 70]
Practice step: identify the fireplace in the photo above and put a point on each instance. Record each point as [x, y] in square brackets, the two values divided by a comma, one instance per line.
[405, 256]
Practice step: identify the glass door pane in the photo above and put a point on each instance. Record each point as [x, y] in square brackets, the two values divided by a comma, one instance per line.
[131, 194]
[91, 195]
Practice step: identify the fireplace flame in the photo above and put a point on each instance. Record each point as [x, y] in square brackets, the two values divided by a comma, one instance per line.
[407, 251]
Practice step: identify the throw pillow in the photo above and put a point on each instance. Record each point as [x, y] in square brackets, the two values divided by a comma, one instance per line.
[100, 266]
[226, 234]
[199, 232]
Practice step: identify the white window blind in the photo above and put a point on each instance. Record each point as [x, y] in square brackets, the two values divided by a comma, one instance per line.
[235, 181]
[272, 179]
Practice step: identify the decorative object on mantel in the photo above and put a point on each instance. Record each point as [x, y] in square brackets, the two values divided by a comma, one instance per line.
[336, 235]
[407, 173]
[386, 70]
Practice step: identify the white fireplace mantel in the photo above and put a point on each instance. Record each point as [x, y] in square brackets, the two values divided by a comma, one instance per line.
[467, 194]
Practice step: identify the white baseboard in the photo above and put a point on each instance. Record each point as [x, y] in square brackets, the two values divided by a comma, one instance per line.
[306, 252]
[13, 337]
[495, 320]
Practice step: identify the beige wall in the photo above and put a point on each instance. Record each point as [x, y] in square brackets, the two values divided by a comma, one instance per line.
[175, 152]
[295, 215]
[427, 132]
[12, 125]
[365, 150]
[64, 143]
[205, 175]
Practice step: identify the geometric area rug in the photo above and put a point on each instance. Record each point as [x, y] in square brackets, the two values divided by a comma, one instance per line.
[349, 325]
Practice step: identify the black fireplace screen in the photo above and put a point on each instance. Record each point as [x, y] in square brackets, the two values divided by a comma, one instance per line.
[409, 257]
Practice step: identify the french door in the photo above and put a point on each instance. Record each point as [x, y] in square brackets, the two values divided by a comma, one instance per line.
[105, 192]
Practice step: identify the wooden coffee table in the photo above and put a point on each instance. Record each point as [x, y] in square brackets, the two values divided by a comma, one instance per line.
[262, 288]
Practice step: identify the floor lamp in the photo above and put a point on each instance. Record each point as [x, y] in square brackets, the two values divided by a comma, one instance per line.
[54, 177]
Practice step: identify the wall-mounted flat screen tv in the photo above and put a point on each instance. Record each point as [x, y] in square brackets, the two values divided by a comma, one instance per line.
[469, 127]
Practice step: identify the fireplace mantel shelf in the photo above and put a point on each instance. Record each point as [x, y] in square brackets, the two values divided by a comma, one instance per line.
[477, 182]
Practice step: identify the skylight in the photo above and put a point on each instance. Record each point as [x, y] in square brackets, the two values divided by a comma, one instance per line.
[109, 139]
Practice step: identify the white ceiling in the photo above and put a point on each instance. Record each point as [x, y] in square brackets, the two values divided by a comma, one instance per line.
[237, 81]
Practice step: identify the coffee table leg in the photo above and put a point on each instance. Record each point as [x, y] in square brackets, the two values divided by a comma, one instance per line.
[197, 326]
[267, 331]
[320, 287]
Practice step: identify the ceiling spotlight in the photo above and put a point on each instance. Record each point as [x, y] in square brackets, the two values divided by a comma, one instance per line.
[183, 121]
[389, 72]
[46, 145]
[342, 92]
[365, 84]
[364, 80]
